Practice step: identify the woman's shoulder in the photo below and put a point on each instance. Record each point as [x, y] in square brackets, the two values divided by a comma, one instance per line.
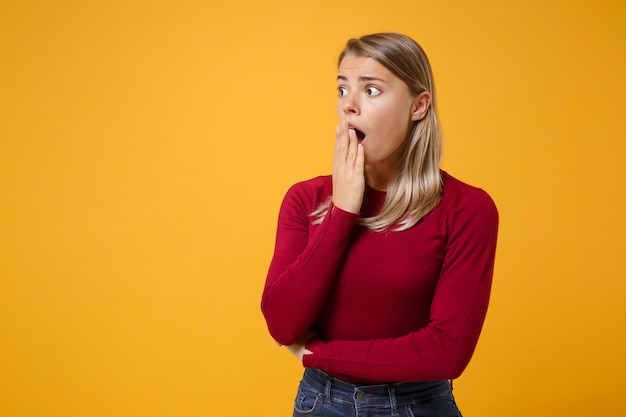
[460, 194]
[323, 183]
[311, 192]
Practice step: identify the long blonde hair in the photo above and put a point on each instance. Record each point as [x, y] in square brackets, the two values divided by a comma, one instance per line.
[416, 187]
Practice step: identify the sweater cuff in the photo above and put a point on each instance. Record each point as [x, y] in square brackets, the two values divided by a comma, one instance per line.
[315, 345]
[343, 214]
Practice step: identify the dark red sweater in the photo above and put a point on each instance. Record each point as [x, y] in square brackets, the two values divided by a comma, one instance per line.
[387, 306]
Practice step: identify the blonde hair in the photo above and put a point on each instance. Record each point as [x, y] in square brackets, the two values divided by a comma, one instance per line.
[416, 187]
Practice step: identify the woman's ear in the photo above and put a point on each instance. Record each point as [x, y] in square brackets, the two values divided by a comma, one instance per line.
[420, 106]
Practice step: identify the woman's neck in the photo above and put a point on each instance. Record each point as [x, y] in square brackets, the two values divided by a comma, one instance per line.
[378, 177]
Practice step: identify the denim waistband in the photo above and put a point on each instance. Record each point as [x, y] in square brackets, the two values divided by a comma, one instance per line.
[396, 393]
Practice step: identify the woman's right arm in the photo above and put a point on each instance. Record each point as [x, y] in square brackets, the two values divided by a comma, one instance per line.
[304, 266]
[306, 260]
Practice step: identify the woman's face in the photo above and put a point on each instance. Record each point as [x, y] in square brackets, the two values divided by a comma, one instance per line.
[378, 105]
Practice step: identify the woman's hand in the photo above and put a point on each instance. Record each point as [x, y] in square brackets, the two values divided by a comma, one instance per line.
[298, 349]
[348, 170]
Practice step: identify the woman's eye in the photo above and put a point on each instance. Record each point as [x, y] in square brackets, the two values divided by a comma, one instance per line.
[372, 91]
[342, 91]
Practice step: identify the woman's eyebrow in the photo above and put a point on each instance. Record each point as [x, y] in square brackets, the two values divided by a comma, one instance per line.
[363, 78]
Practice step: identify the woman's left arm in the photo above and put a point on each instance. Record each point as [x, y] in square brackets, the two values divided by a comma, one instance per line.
[443, 348]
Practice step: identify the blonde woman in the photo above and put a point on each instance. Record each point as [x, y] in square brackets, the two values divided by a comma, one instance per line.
[381, 274]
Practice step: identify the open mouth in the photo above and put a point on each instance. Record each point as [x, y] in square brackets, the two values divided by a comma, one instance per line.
[359, 135]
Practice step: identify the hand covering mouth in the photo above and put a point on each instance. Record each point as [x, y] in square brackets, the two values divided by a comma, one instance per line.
[359, 134]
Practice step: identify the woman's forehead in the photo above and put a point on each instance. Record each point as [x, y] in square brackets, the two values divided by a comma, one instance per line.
[358, 65]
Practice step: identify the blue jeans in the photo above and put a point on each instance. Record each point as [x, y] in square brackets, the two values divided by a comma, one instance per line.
[320, 395]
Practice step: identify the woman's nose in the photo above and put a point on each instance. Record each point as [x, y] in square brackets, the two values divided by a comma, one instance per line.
[350, 105]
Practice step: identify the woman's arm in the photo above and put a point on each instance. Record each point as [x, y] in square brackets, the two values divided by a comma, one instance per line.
[304, 267]
[305, 262]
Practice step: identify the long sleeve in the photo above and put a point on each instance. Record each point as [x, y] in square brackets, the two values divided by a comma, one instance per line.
[305, 261]
[443, 347]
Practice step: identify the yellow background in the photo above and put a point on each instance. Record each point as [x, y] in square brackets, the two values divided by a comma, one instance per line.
[146, 146]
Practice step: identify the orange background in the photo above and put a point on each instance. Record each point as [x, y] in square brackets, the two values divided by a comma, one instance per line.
[146, 146]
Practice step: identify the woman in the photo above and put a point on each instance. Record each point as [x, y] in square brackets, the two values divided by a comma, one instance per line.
[381, 274]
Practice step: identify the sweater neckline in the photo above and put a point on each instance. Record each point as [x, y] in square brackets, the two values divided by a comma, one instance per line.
[374, 193]
[373, 201]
